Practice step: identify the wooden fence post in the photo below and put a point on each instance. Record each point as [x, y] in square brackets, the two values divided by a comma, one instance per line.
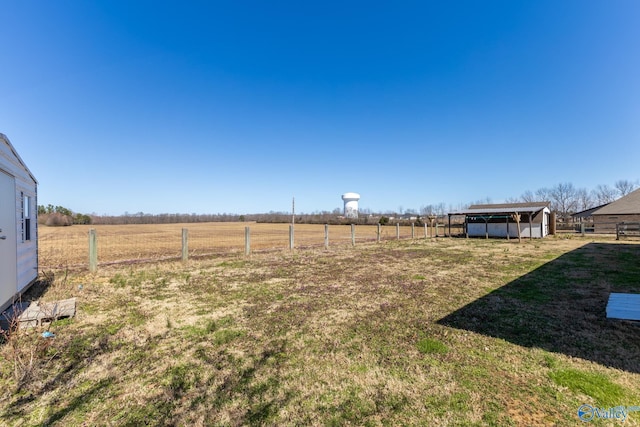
[353, 234]
[486, 228]
[326, 236]
[93, 250]
[185, 245]
[507, 227]
[398, 231]
[516, 217]
[379, 231]
[247, 240]
[425, 231]
[413, 231]
[291, 237]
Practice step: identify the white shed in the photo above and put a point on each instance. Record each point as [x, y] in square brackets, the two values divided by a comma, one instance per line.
[18, 225]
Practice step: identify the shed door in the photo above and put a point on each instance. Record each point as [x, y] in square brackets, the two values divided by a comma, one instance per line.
[8, 243]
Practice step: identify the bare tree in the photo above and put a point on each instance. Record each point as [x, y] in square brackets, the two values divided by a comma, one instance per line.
[564, 199]
[604, 194]
[528, 197]
[463, 206]
[624, 186]
[486, 201]
[427, 210]
[584, 200]
[543, 195]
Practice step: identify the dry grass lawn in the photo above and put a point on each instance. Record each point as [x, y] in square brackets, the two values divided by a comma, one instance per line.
[425, 332]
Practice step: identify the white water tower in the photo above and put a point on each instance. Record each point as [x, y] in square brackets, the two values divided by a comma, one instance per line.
[351, 204]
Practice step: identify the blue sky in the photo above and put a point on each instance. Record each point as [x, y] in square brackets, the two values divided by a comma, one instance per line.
[211, 107]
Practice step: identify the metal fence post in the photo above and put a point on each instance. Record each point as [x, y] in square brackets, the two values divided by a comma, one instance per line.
[326, 236]
[185, 245]
[582, 228]
[93, 250]
[247, 240]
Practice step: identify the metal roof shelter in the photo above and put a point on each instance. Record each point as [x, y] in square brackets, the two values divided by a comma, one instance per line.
[494, 220]
[498, 211]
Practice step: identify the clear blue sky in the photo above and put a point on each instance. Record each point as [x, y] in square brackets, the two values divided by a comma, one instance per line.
[211, 107]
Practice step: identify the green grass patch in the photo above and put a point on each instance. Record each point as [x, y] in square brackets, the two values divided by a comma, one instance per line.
[455, 404]
[136, 317]
[62, 322]
[431, 346]
[232, 264]
[197, 332]
[113, 328]
[225, 336]
[181, 378]
[593, 384]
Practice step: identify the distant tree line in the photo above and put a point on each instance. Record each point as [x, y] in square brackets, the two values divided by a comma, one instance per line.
[324, 217]
[164, 218]
[565, 200]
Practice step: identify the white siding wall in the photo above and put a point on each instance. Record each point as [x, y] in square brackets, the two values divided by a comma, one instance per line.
[500, 230]
[27, 251]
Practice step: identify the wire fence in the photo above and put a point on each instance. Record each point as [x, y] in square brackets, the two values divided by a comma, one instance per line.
[70, 248]
[620, 229]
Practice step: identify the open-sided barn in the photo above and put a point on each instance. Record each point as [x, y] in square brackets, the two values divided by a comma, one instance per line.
[18, 224]
[507, 220]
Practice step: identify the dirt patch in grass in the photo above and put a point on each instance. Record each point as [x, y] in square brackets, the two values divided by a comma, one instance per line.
[429, 332]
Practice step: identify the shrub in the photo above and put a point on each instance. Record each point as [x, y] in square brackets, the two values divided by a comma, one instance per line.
[58, 220]
[82, 219]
